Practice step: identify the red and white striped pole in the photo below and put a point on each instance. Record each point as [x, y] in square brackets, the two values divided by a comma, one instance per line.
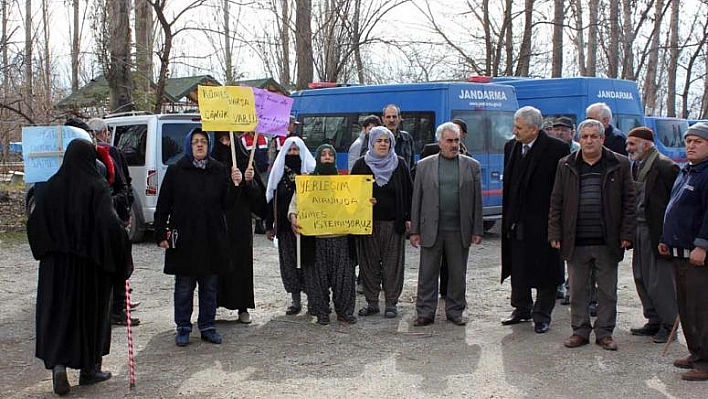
[131, 355]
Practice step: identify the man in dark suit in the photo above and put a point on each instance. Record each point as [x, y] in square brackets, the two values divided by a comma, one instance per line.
[446, 217]
[530, 161]
[654, 175]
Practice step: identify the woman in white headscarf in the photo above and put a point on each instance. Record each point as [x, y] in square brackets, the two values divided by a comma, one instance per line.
[294, 159]
[381, 254]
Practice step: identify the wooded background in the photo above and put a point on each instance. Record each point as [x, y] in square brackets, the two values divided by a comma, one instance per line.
[50, 48]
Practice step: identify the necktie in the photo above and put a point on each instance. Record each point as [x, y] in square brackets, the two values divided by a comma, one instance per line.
[524, 150]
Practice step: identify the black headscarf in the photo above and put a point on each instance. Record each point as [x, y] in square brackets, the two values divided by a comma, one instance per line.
[75, 216]
[325, 168]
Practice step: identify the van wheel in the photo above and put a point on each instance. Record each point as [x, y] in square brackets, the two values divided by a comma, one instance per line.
[136, 230]
[488, 224]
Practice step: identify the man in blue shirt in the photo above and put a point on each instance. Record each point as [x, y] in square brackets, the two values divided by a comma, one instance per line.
[685, 240]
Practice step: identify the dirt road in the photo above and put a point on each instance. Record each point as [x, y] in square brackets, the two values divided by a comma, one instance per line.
[280, 356]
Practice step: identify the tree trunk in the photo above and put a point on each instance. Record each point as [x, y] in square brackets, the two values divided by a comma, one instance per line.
[649, 89]
[508, 4]
[524, 63]
[580, 36]
[628, 42]
[488, 41]
[673, 59]
[303, 43]
[285, 40]
[558, 21]
[704, 100]
[356, 42]
[118, 76]
[143, 54]
[613, 53]
[591, 66]
[75, 48]
[47, 59]
[28, 89]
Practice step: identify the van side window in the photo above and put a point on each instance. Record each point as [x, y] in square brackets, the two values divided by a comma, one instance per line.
[130, 139]
[334, 130]
[421, 126]
[172, 141]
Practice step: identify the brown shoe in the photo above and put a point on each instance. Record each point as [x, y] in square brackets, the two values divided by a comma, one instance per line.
[607, 343]
[575, 341]
[684, 363]
[695, 375]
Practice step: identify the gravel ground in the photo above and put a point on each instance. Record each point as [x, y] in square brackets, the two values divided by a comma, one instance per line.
[280, 356]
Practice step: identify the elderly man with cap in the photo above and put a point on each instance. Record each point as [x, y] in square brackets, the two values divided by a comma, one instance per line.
[653, 175]
[564, 129]
[685, 239]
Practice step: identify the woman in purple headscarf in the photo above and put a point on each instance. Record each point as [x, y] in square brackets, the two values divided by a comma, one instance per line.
[380, 255]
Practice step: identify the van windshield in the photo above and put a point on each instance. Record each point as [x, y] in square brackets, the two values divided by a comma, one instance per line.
[487, 131]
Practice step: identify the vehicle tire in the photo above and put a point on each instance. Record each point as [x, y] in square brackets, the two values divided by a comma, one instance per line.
[488, 224]
[136, 230]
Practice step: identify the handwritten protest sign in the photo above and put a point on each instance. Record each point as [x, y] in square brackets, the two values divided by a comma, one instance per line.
[334, 204]
[43, 149]
[227, 108]
[273, 112]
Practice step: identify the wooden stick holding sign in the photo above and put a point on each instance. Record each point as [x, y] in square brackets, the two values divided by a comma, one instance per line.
[253, 149]
[233, 151]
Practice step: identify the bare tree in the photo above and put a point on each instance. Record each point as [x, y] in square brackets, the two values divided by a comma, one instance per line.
[649, 89]
[29, 90]
[119, 67]
[168, 34]
[143, 54]
[591, 64]
[524, 65]
[75, 47]
[579, 38]
[558, 22]
[303, 44]
[613, 47]
[699, 49]
[673, 59]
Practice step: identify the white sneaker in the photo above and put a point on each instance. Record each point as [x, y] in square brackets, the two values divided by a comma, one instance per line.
[244, 317]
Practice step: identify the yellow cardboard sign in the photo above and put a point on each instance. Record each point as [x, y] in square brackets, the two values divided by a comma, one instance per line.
[334, 204]
[227, 108]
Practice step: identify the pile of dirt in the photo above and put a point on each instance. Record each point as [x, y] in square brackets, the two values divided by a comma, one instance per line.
[12, 209]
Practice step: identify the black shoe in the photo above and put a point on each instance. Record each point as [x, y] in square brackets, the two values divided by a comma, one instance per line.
[423, 321]
[368, 311]
[93, 377]
[458, 321]
[647, 330]
[211, 336]
[541, 327]
[593, 309]
[662, 336]
[349, 319]
[121, 319]
[59, 381]
[323, 320]
[516, 318]
[293, 310]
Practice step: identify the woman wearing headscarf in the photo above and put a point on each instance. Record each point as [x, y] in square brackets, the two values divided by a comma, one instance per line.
[236, 290]
[82, 249]
[293, 160]
[190, 224]
[332, 267]
[381, 254]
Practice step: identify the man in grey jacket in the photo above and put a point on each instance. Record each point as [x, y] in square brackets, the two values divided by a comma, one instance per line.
[592, 221]
[446, 215]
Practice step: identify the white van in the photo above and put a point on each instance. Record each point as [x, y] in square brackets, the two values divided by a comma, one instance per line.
[150, 144]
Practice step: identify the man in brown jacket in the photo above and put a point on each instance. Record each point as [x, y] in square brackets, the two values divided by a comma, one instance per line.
[592, 221]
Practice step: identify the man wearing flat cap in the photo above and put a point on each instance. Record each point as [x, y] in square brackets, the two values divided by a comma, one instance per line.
[685, 240]
[653, 175]
[564, 129]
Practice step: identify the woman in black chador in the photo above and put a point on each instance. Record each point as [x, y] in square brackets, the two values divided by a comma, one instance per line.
[82, 248]
[236, 287]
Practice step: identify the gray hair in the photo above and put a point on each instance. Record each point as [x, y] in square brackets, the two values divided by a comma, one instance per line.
[592, 123]
[97, 125]
[396, 107]
[530, 115]
[446, 126]
[605, 111]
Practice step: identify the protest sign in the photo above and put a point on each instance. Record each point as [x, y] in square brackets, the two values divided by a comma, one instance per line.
[227, 108]
[334, 204]
[273, 112]
[43, 149]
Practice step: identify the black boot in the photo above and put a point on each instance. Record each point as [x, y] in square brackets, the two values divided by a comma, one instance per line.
[59, 380]
[296, 306]
[93, 375]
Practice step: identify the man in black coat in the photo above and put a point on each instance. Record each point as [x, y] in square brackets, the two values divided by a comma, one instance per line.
[530, 161]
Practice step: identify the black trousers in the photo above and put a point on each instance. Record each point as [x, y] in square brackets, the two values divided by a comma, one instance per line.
[521, 296]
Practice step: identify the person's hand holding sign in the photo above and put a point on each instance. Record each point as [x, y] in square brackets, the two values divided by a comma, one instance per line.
[293, 224]
[236, 175]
